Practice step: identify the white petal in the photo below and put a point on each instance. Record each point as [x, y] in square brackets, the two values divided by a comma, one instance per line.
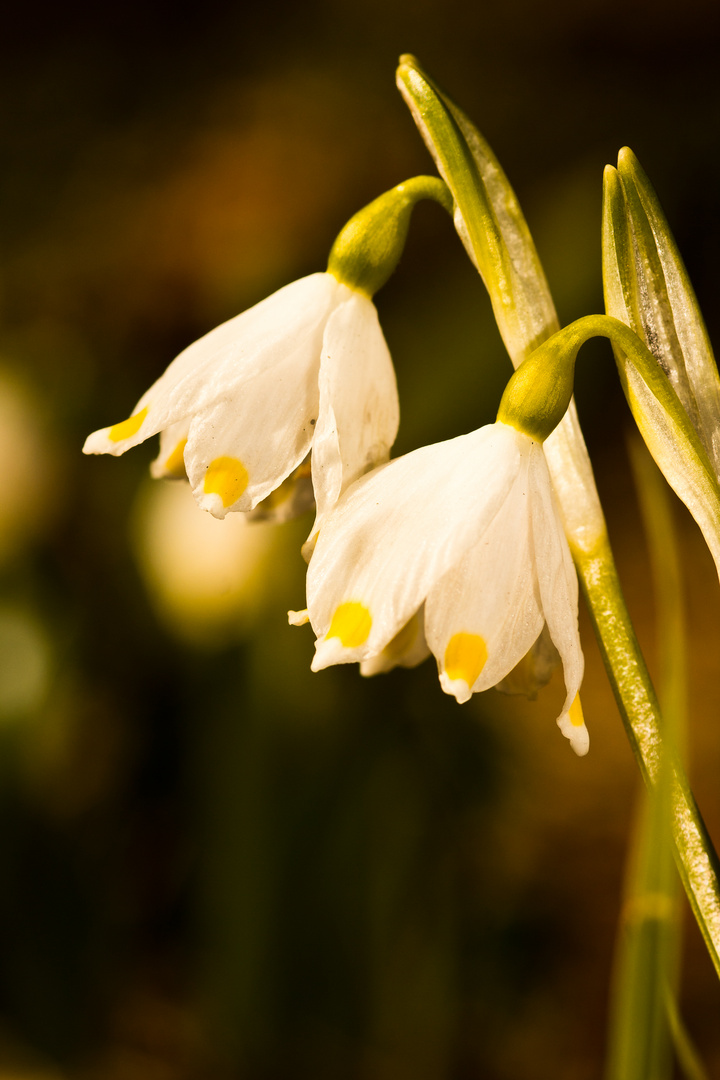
[298, 618]
[534, 670]
[396, 532]
[292, 498]
[407, 649]
[219, 363]
[558, 586]
[263, 430]
[359, 412]
[572, 725]
[170, 462]
[484, 615]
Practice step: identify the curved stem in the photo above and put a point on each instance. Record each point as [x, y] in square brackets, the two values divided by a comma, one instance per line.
[493, 230]
[696, 858]
[369, 246]
[695, 855]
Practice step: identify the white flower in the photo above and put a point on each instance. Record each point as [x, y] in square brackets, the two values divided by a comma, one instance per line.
[240, 409]
[466, 536]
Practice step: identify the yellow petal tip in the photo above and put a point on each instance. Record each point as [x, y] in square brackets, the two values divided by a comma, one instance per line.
[226, 477]
[573, 728]
[127, 428]
[576, 713]
[351, 624]
[465, 657]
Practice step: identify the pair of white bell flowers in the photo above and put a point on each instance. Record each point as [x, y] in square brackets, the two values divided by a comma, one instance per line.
[460, 548]
[456, 549]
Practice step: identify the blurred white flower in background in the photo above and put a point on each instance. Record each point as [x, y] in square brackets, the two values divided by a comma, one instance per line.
[207, 579]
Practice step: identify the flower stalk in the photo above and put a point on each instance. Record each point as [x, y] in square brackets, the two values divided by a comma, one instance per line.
[369, 246]
[647, 952]
[491, 225]
[659, 414]
[696, 858]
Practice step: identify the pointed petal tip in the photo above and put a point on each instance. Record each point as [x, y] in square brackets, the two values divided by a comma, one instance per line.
[328, 651]
[99, 443]
[457, 688]
[118, 438]
[213, 504]
[577, 735]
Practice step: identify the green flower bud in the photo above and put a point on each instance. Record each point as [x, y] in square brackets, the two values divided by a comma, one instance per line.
[369, 247]
[647, 287]
[538, 394]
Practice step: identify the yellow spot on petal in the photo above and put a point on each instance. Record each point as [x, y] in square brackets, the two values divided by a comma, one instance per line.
[127, 428]
[226, 477]
[465, 657]
[576, 714]
[175, 464]
[351, 623]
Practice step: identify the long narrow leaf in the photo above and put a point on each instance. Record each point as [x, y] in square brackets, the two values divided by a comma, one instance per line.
[649, 934]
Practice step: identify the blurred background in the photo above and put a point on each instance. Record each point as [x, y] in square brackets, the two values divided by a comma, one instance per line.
[214, 863]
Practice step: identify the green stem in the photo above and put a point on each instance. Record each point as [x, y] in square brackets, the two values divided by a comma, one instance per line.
[689, 1061]
[369, 246]
[661, 418]
[695, 855]
[491, 226]
[647, 951]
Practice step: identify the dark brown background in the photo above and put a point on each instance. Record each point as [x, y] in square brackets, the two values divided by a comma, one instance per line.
[213, 863]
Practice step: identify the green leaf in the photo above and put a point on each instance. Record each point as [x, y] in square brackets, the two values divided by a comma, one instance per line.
[649, 934]
[647, 288]
[491, 225]
[488, 216]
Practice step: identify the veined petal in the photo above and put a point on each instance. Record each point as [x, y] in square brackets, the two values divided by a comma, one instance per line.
[359, 412]
[218, 364]
[557, 582]
[247, 442]
[396, 532]
[484, 614]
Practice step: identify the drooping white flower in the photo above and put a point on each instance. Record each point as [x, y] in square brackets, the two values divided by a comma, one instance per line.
[466, 536]
[241, 409]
